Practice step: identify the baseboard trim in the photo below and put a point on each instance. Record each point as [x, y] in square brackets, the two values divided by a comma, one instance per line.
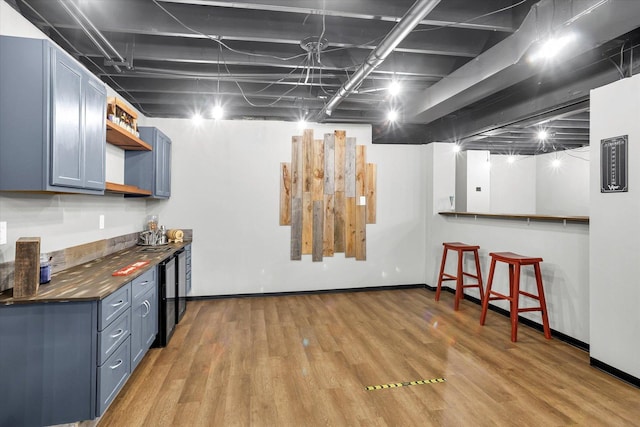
[314, 292]
[528, 322]
[628, 378]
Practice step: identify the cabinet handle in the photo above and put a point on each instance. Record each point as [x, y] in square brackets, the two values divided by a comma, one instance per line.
[148, 306]
[118, 363]
[143, 283]
[117, 334]
[116, 304]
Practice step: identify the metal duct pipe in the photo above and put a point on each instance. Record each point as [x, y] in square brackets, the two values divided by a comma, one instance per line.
[88, 33]
[98, 32]
[505, 64]
[409, 21]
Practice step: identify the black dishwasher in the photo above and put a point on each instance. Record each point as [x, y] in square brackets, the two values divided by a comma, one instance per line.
[172, 295]
[166, 301]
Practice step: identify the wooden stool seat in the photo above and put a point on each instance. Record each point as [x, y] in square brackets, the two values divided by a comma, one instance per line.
[460, 248]
[515, 261]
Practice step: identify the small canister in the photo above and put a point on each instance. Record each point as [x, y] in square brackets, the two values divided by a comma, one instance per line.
[45, 269]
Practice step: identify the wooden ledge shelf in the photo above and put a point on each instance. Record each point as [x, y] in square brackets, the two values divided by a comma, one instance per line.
[559, 218]
[127, 141]
[112, 187]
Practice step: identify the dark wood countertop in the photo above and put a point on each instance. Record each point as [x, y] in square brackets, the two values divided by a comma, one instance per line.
[93, 280]
[533, 217]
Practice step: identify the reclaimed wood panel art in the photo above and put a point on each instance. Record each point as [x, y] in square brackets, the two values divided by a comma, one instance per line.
[350, 227]
[328, 195]
[285, 193]
[372, 193]
[328, 236]
[307, 223]
[338, 218]
[296, 198]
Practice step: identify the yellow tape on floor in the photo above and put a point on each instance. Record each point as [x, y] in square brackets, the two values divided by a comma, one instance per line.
[406, 383]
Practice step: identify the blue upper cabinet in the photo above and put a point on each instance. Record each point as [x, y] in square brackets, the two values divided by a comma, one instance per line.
[52, 120]
[150, 169]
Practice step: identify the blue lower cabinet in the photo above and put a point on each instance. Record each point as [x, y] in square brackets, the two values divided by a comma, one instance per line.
[48, 354]
[64, 362]
[113, 374]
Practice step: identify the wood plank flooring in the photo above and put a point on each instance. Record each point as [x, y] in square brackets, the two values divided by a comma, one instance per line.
[306, 360]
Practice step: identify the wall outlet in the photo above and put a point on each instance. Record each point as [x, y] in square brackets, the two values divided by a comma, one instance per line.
[101, 222]
[3, 232]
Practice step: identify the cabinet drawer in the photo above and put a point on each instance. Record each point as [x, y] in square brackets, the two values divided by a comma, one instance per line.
[141, 284]
[113, 374]
[114, 334]
[113, 305]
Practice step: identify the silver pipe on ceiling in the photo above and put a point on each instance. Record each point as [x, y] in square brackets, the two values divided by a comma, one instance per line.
[90, 35]
[402, 29]
[98, 32]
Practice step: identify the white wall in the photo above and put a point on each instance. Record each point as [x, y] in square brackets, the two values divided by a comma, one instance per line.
[563, 190]
[615, 231]
[225, 186]
[513, 185]
[475, 168]
[60, 220]
[565, 250]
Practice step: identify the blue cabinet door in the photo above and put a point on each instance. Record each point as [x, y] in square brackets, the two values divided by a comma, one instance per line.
[163, 165]
[150, 170]
[67, 152]
[52, 120]
[95, 131]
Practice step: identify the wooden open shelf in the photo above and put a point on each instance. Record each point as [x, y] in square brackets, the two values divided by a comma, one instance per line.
[528, 217]
[127, 141]
[112, 187]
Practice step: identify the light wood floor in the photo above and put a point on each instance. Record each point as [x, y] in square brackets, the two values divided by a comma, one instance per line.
[306, 360]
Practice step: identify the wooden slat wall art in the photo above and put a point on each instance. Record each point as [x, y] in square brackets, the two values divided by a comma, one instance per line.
[285, 193]
[328, 195]
[307, 183]
[328, 236]
[338, 206]
[328, 247]
[296, 198]
[372, 193]
[360, 234]
[307, 223]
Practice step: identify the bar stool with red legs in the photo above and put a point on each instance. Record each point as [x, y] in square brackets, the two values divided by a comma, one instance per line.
[460, 248]
[515, 261]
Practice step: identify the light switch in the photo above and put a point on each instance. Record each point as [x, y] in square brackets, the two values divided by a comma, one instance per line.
[101, 222]
[363, 201]
[3, 232]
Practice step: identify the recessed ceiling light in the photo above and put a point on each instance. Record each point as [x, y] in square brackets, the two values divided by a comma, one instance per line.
[552, 47]
[196, 119]
[511, 159]
[392, 115]
[394, 88]
[217, 112]
[543, 134]
[555, 163]
[456, 148]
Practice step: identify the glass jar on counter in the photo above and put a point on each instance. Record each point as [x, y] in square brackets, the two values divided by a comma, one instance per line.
[45, 269]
